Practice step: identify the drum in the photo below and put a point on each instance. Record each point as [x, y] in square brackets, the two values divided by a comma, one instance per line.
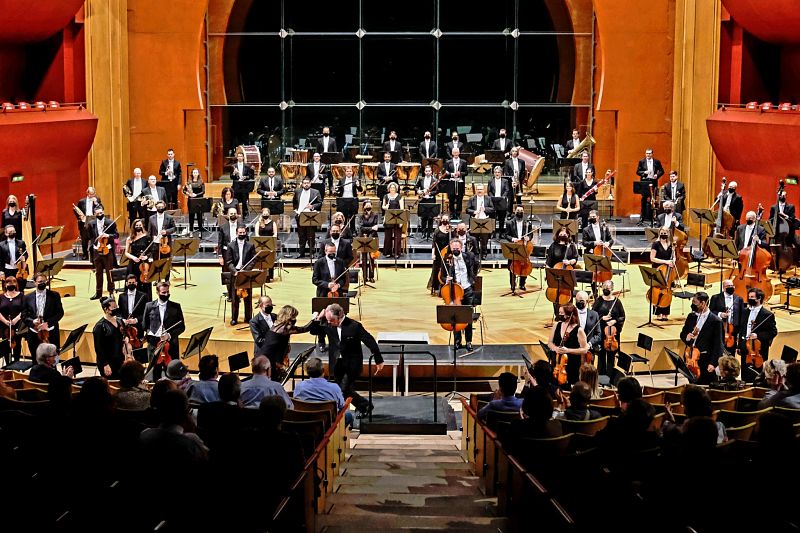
[408, 171]
[299, 156]
[536, 167]
[339, 168]
[290, 171]
[252, 156]
[370, 170]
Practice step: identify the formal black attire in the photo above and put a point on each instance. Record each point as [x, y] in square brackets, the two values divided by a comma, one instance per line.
[451, 145]
[742, 240]
[766, 330]
[321, 149]
[322, 275]
[133, 308]
[642, 170]
[167, 225]
[366, 223]
[267, 185]
[199, 189]
[171, 186]
[617, 312]
[558, 252]
[344, 249]
[243, 182]
[135, 208]
[15, 219]
[234, 203]
[349, 188]
[661, 220]
[305, 234]
[396, 151]
[568, 202]
[570, 145]
[103, 263]
[237, 258]
[9, 263]
[721, 302]
[590, 202]
[426, 223]
[108, 341]
[320, 175]
[381, 173]
[42, 373]
[472, 211]
[137, 248]
[573, 360]
[440, 240]
[502, 196]
[392, 233]
[735, 206]
[159, 193]
[591, 327]
[82, 231]
[470, 297]
[173, 318]
[665, 254]
[10, 308]
[259, 329]
[516, 229]
[51, 312]
[785, 233]
[578, 172]
[509, 167]
[503, 144]
[455, 186]
[591, 234]
[676, 195]
[430, 151]
[345, 356]
[708, 342]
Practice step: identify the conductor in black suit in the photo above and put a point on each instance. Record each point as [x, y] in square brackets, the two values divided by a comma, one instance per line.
[456, 170]
[428, 148]
[345, 358]
[238, 257]
[306, 199]
[326, 143]
[159, 316]
[241, 172]
[102, 256]
[708, 338]
[170, 171]
[649, 170]
[502, 143]
[260, 326]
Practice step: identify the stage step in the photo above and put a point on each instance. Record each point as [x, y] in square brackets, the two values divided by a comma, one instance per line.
[396, 483]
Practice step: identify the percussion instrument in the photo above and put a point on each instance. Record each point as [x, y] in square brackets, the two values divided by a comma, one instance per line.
[252, 156]
[339, 169]
[298, 156]
[408, 172]
[370, 171]
[534, 165]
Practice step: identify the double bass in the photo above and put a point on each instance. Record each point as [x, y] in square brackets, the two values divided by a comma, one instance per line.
[782, 245]
[723, 221]
[753, 263]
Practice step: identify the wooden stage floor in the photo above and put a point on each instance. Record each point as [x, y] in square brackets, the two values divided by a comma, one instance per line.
[400, 302]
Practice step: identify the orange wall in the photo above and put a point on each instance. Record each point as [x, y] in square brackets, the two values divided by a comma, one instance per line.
[634, 90]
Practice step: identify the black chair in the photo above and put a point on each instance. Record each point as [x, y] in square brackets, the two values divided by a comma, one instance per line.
[645, 342]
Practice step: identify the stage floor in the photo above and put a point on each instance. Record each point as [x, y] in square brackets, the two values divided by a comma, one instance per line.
[400, 302]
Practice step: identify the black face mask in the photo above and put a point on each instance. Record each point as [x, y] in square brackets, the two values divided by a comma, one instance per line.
[12, 237]
[606, 292]
[752, 302]
[520, 215]
[12, 204]
[325, 134]
[268, 309]
[668, 210]
[163, 297]
[427, 137]
[11, 288]
[293, 321]
[502, 135]
[115, 312]
[456, 252]
[332, 256]
[462, 232]
[131, 287]
[695, 308]
[664, 237]
[367, 209]
[233, 217]
[730, 290]
[732, 191]
[41, 286]
[139, 229]
[782, 200]
[562, 239]
[455, 139]
[334, 236]
[561, 318]
[751, 222]
[592, 220]
[160, 209]
[241, 237]
[580, 305]
[100, 217]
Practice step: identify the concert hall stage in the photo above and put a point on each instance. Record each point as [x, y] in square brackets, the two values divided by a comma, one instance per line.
[401, 302]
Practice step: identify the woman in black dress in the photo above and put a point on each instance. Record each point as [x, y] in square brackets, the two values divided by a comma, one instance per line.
[368, 227]
[569, 204]
[108, 341]
[10, 316]
[441, 238]
[228, 201]
[138, 249]
[392, 233]
[612, 313]
[266, 227]
[12, 214]
[276, 343]
[661, 254]
[195, 189]
[567, 338]
[562, 250]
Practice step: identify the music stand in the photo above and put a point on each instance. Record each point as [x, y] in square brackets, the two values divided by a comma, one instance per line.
[197, 343]
[495, 157]
[311, 219]
[52, 234]
[653, 278]
[185, 247]
[72, 340]
[275, 206]
[320, 303]
[247, 279]
[395, 217]
[364, 245]
[514, 251]
[481, 226]
[159, 269]
[348, 206]
[330, 158]
[428, 210]
[560, 279]
[651, 234]
[722, 249]
[702, 215]
[571, 225]
[680, 366]
[49, 267]
[448, 316]
[596, 264]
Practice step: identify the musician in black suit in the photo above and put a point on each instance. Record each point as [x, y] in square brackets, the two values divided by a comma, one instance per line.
[500, 192]
[270, 187]
[306, 199]
[345, 357]
[161, 225]
[747, 234]
[579, 170]
[260, 325]
[453, 144]
[427, 188]
[729, 307]
[13, 252]
[344, 247]
[708, 340]
[787, 221]
[41, 309]
[135, 186]
[348, 187]
[131, 303]
[108, 340]
[464, 268]
[574, 142]
[514, 167]
[756, 323]
[226, 234]
[393, 146]
[86, 205]
[170, 172]
[238, 257]
[733, 203]
[103, 257]
[589, 321]
[455, 170]
[319, 173]
[502, 143]
[480, 207]
[163, 320]
[669, 218]
[326, 143]
[518, 230]
[243, 177]
[595, 234]
[385, 174]
[157, 193]
[428, 148]
[329, 275]
[649, 171]
[674, 191]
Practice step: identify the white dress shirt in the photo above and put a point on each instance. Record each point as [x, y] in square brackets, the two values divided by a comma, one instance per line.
[729, 307]
[12, 254]
[131, 300]
[752, 319]
[305, 199]
[498, 187]
[596, 231]
[701, 320]
[138, 185]
[582, 314]
[41, 297]
[460, 267]
[241, 253]
[331, 267]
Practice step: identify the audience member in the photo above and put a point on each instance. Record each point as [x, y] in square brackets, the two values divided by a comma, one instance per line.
[132, 393]
[207, 389]
[44, 371]
[791, 396]
[178, 373]
[773, 377]
[630, 432]
[589, 375]
[628, 390]
[696, 403]
[578, 408]
[729, 369]
[507, 402]
[318, 389]
[537, 421]
[222, 424]
[259, 385]
[169, 440]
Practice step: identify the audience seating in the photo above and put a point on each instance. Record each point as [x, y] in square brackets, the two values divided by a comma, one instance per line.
[493, 417]
[744, 403]
[793, 414]
[583, 427]
[725, 403]
[717, 395]
[740, 418]
[740, 433]
[609, 400]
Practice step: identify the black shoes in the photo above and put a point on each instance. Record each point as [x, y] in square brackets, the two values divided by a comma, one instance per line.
[458, 346]
[234, 322]
[96, 296]
[469, 346]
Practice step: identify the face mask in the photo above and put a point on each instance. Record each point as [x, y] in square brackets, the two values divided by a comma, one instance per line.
[751, 222]
[520, 215]
[664, 237]
[115, 312]
[731, 190]
[561, 318]
[668, 210]
[293, 321]
[606, 292]
[334, 236]
[580, 305]
[332, 256]
[12, 236]
[233, 217]
[139, 229]
[163, 297]
[11, 288]
[427, 137]
[752, 302]
[12, 204]
[695, 308]
[730, 290]
[562, 238]
[41, 286]
[268, 309]
[265, 217]
[131, 287]
[502, 135]
[456, 252]
[455, 139]
[100, 217]
[160, 209]
[462, 232]
[325, 134]
[241, 237]
[782, 200]
[367, 209]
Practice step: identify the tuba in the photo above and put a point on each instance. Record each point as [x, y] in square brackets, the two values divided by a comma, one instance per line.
[587, 143]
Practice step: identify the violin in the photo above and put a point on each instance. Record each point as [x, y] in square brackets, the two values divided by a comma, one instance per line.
[42, 333]
[23, 272]
[333, 292]
[730, 339]
[164, 248]
[163, 347]
[691, 355]
[610, 342]
[753, 263]
[754, 356]
[560, 370]
[603, 251]
[102, 245]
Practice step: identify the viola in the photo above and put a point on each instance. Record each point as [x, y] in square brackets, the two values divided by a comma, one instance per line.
[23, 272]
[730, 339]
[754, 356]
[610, 342]
[43, 333]
[333, 292]
[164, 248]
[560, 370]
[144, 271]
[163, 353]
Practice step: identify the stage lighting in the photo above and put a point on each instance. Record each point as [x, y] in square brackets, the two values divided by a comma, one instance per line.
[52, 104]
[39, 105]
[751, 105]
[7, 106]
[23, 105]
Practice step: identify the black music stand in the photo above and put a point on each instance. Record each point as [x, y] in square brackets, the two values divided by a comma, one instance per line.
[428, 210]
[159, 269]
[653, 278]
[514, 251]
[450, 315]
[722, 249]
[49, 267]
[185, 247]
[596, 264]
[269, 244]
[481, 226]
[197, 343]
[495, 157]
[642, 188]
[311, 219]
[702, 215]
[330, 158]
[395, 217]
[320, 303]
[238, 361]
[364, 245]
[651, 234]
[52, 234]
[72, 340]
[680, 367]
[560, 279]
[275, 206]
[247, 279]
[200, 206]
[570, 224]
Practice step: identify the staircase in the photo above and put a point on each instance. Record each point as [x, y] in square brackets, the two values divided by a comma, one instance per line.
[407, 483]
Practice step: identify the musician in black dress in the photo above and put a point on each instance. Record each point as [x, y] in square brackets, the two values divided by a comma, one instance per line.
[612, 313]
[12, 214]
[426, 187]
[108, 340]
[662, 253]
[393, 233]
[567, 338]
[589, 203]
[228, 201]
[368, 227]
[569, 205]
[273, 340]
[195, 189]
[562, 250]
[11, 316]
[139, 248]
[441, 238]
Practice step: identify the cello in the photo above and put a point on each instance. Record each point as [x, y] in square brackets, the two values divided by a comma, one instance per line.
[451, 292]
[558, 295]
[753, 263]
[603, 251]
[523, 267]
[663, 297]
